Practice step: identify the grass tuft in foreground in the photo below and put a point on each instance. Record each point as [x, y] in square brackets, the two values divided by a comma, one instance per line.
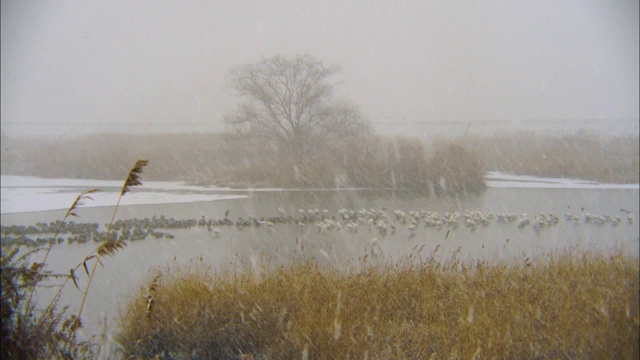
[555, 306]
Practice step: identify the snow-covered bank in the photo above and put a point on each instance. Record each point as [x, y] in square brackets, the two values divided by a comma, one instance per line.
[29, 193]
[501, 180]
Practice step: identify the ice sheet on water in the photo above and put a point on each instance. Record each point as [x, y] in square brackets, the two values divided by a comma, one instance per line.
[33, 181]
[27, 193]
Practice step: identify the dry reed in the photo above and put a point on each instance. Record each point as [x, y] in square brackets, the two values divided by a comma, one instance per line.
[571, 305]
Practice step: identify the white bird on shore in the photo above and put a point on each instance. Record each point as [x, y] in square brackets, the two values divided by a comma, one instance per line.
[373, 248]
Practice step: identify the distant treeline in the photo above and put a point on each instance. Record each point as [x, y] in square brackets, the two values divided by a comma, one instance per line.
[236, 160]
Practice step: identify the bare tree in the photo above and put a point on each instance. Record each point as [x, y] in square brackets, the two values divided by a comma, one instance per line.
[291, 100]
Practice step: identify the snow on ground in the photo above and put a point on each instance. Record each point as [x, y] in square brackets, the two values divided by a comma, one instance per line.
[29, 193]
[501, 180]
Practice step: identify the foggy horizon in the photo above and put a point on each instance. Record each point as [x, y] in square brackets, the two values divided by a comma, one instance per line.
[149, 63]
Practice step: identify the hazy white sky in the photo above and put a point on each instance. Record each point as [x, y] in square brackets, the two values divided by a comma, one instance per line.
[163, 62]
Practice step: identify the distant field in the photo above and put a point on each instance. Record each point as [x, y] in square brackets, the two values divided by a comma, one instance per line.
[393, 127]
[429, 130]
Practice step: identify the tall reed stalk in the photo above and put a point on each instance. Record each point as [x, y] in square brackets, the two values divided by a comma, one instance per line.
[109, 247]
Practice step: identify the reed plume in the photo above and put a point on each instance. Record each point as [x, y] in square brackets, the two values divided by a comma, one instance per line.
[79, 201]
[134, 176]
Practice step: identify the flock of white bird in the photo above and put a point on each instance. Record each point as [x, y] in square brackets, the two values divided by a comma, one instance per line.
[384, 222]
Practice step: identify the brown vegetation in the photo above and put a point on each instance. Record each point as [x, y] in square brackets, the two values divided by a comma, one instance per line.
[457, 170]
[581, 155]
[558, 306]
[27, 332]
[237, 160]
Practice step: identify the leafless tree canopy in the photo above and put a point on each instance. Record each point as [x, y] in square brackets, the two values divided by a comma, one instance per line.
[291, 100]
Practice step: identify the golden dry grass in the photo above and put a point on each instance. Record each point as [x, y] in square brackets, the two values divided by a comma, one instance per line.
[554, 307]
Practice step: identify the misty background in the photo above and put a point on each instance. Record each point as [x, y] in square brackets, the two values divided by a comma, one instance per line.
[511, 107]
[80, 67]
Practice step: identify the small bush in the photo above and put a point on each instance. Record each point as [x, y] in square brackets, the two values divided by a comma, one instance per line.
[28, 333]
[456, 170]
